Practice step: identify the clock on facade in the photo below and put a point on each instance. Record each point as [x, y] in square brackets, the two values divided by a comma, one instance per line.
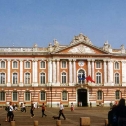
[81, 63]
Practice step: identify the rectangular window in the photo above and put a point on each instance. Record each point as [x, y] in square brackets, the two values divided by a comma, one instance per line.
[2, 78]
[27, 96]
[98, 64]
[64, 95]
[2, 96]
[42, 97]
[99, 95]
[14, 78]
[42, 64]
[64, 64]
[117, 95]
[14, 96]
[63, 79]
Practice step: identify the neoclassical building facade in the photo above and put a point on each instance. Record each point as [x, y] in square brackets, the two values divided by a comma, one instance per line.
[58, 74]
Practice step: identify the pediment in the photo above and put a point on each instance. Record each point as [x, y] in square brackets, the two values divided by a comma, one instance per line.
[81, 49]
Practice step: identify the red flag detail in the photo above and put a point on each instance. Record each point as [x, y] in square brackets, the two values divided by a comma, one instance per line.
[88, 78]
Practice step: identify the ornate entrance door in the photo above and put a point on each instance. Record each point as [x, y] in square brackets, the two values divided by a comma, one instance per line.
[82, 97]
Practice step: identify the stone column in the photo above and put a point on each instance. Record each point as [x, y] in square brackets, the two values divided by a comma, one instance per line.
[8, 73]
[57, 80]
[35, 72]
[89, 67]
[54, 71]
[93, 69]
[21, 74]
[74, 71]
[105, 73]
[49, 72]
[110, 72]
[70, 71]
[123, 73]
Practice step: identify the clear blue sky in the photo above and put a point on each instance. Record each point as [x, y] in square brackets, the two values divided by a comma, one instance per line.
[25, 22]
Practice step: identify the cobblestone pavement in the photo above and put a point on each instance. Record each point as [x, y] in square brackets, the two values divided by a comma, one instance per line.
[96, 114]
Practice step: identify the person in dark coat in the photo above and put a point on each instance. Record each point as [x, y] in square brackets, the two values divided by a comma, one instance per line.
[121, 112]
[43, 110]
[112, 117]
[32, 110]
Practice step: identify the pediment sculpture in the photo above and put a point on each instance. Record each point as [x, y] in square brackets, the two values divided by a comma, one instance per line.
[81, 38]
[81, 49]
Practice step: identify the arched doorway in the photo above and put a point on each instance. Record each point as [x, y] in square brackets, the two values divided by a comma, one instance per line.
[82, 97]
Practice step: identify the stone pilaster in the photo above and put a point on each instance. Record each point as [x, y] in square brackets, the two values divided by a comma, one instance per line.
[8, 73]
[21, 74]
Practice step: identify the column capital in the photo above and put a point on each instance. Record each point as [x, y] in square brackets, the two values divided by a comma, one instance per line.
[88, 60]
[8, 60]
[53, 60]
[70, 60]
[57, 60]
[49, 60]
[74, 60]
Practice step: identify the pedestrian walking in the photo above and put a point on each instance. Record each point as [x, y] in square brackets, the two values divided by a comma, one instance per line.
[10, 113]
[43, 110]
[7, 110]
[61, 111]
[32, 110]
[90, 105]
[24, 107]
[72, 107]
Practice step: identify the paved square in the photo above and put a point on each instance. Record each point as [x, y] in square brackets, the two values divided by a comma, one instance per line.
[96, 114]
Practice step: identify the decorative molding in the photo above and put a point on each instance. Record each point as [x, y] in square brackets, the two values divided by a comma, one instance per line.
[81, 49]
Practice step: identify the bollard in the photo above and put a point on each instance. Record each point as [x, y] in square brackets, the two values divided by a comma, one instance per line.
[58, 122]
[12, 123]
[84, 121]
[106, 122]
[36, 123]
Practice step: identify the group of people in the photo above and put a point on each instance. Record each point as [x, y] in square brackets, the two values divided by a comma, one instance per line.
[10, 111]
[117, 114]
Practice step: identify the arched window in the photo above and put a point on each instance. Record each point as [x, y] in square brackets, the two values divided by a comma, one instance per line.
[64, 95]
[116, 78]
[15, 76]
[116, 65]
[98, 78]
[2, 78]
[2, 64]
[117, 94]
[99, 95]
[42, 95]
[63, 78]
[15, 64]
[42, 78]
[27, 78]
[81, 76]
[2, 96]
[27, 64]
